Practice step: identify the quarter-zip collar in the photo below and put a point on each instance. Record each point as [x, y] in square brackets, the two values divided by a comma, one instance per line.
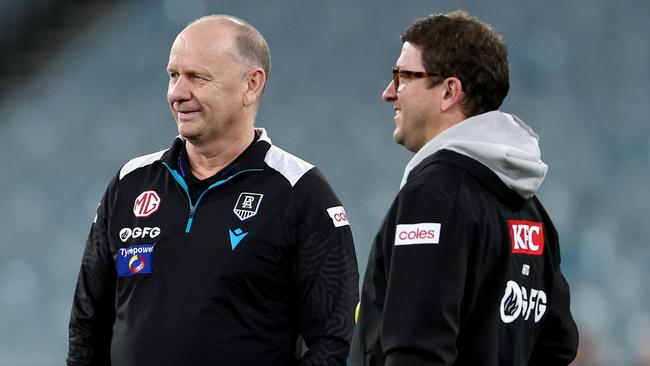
[251, 160]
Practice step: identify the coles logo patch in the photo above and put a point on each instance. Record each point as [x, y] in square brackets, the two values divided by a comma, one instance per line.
[422, 233]
[136, 259]
[527, 237]
[146, 204]
[339, 218]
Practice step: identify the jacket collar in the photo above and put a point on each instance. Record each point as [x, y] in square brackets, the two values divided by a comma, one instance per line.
[251, 158]
[500, 141]
[480, 172]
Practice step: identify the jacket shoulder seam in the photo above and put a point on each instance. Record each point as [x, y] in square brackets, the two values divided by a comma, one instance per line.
[140, 162]
[291, 167]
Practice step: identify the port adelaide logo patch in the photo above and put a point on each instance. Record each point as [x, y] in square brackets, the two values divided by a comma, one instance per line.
[247, 205]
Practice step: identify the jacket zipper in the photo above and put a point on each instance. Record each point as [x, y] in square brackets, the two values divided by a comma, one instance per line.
[189, 220]
[181, 182]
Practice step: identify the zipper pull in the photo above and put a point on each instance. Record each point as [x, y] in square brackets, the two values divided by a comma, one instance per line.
[189, 221]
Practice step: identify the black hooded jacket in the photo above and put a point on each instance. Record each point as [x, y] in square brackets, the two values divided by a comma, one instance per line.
[465, 270]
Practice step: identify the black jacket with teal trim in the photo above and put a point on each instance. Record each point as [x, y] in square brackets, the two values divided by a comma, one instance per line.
[263, 256]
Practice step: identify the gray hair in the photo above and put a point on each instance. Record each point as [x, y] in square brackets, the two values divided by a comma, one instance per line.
[251, 45]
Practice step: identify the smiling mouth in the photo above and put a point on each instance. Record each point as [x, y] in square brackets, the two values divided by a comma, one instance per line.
[186, 115]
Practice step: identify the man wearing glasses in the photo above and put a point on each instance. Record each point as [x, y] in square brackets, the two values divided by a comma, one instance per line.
[466, 267]
[223, 249]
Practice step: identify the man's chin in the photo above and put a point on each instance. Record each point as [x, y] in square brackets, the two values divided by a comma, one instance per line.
[189, 135]
[398, 137]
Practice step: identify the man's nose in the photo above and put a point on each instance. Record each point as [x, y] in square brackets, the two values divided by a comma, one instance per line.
[179, 90]
[389, 94]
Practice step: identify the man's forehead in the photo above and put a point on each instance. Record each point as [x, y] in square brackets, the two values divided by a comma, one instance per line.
[201, 46]
[206, 36]
[410, 56]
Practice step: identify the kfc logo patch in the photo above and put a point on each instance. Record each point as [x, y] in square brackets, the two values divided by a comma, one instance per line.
[527, 237]
[423, 233]
[339, 218]
[146, 204]
[247, 205]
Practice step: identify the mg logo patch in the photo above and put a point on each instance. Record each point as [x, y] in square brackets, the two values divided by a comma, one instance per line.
[247, 205]
[527, 237]
[146, 204]
[135, 259]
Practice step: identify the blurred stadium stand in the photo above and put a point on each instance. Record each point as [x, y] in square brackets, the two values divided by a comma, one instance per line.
[82, 90]
[31, 31]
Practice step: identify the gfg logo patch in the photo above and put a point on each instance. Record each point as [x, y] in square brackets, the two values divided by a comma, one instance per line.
[422, 233]
[138, 232]
[517, 302]
[146, 204]
[136, 259]
[527, 237]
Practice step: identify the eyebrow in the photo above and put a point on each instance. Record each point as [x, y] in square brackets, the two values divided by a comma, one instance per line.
[195, 70]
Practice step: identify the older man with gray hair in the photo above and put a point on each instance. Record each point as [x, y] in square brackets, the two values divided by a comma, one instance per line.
[222, 249]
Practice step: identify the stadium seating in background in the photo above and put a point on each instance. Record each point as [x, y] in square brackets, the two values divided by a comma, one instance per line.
[30, 31]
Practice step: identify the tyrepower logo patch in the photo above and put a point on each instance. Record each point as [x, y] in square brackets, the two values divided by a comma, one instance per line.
[423, 233]
[136, 259]
[527, 237]
[339, 218]
[146, 204]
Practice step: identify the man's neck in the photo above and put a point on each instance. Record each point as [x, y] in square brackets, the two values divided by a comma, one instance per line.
[447, 120]
[208, 159]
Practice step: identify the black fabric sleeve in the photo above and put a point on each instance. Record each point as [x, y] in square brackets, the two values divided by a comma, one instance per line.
[425, 281]
[559, 341]
[326, 277]
[558, 344]
[93, 309]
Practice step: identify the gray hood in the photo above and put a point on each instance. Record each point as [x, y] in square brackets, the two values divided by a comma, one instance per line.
[498, 140]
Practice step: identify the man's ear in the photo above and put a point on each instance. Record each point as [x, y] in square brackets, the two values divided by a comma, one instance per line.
[254, 86]
[453, 93]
